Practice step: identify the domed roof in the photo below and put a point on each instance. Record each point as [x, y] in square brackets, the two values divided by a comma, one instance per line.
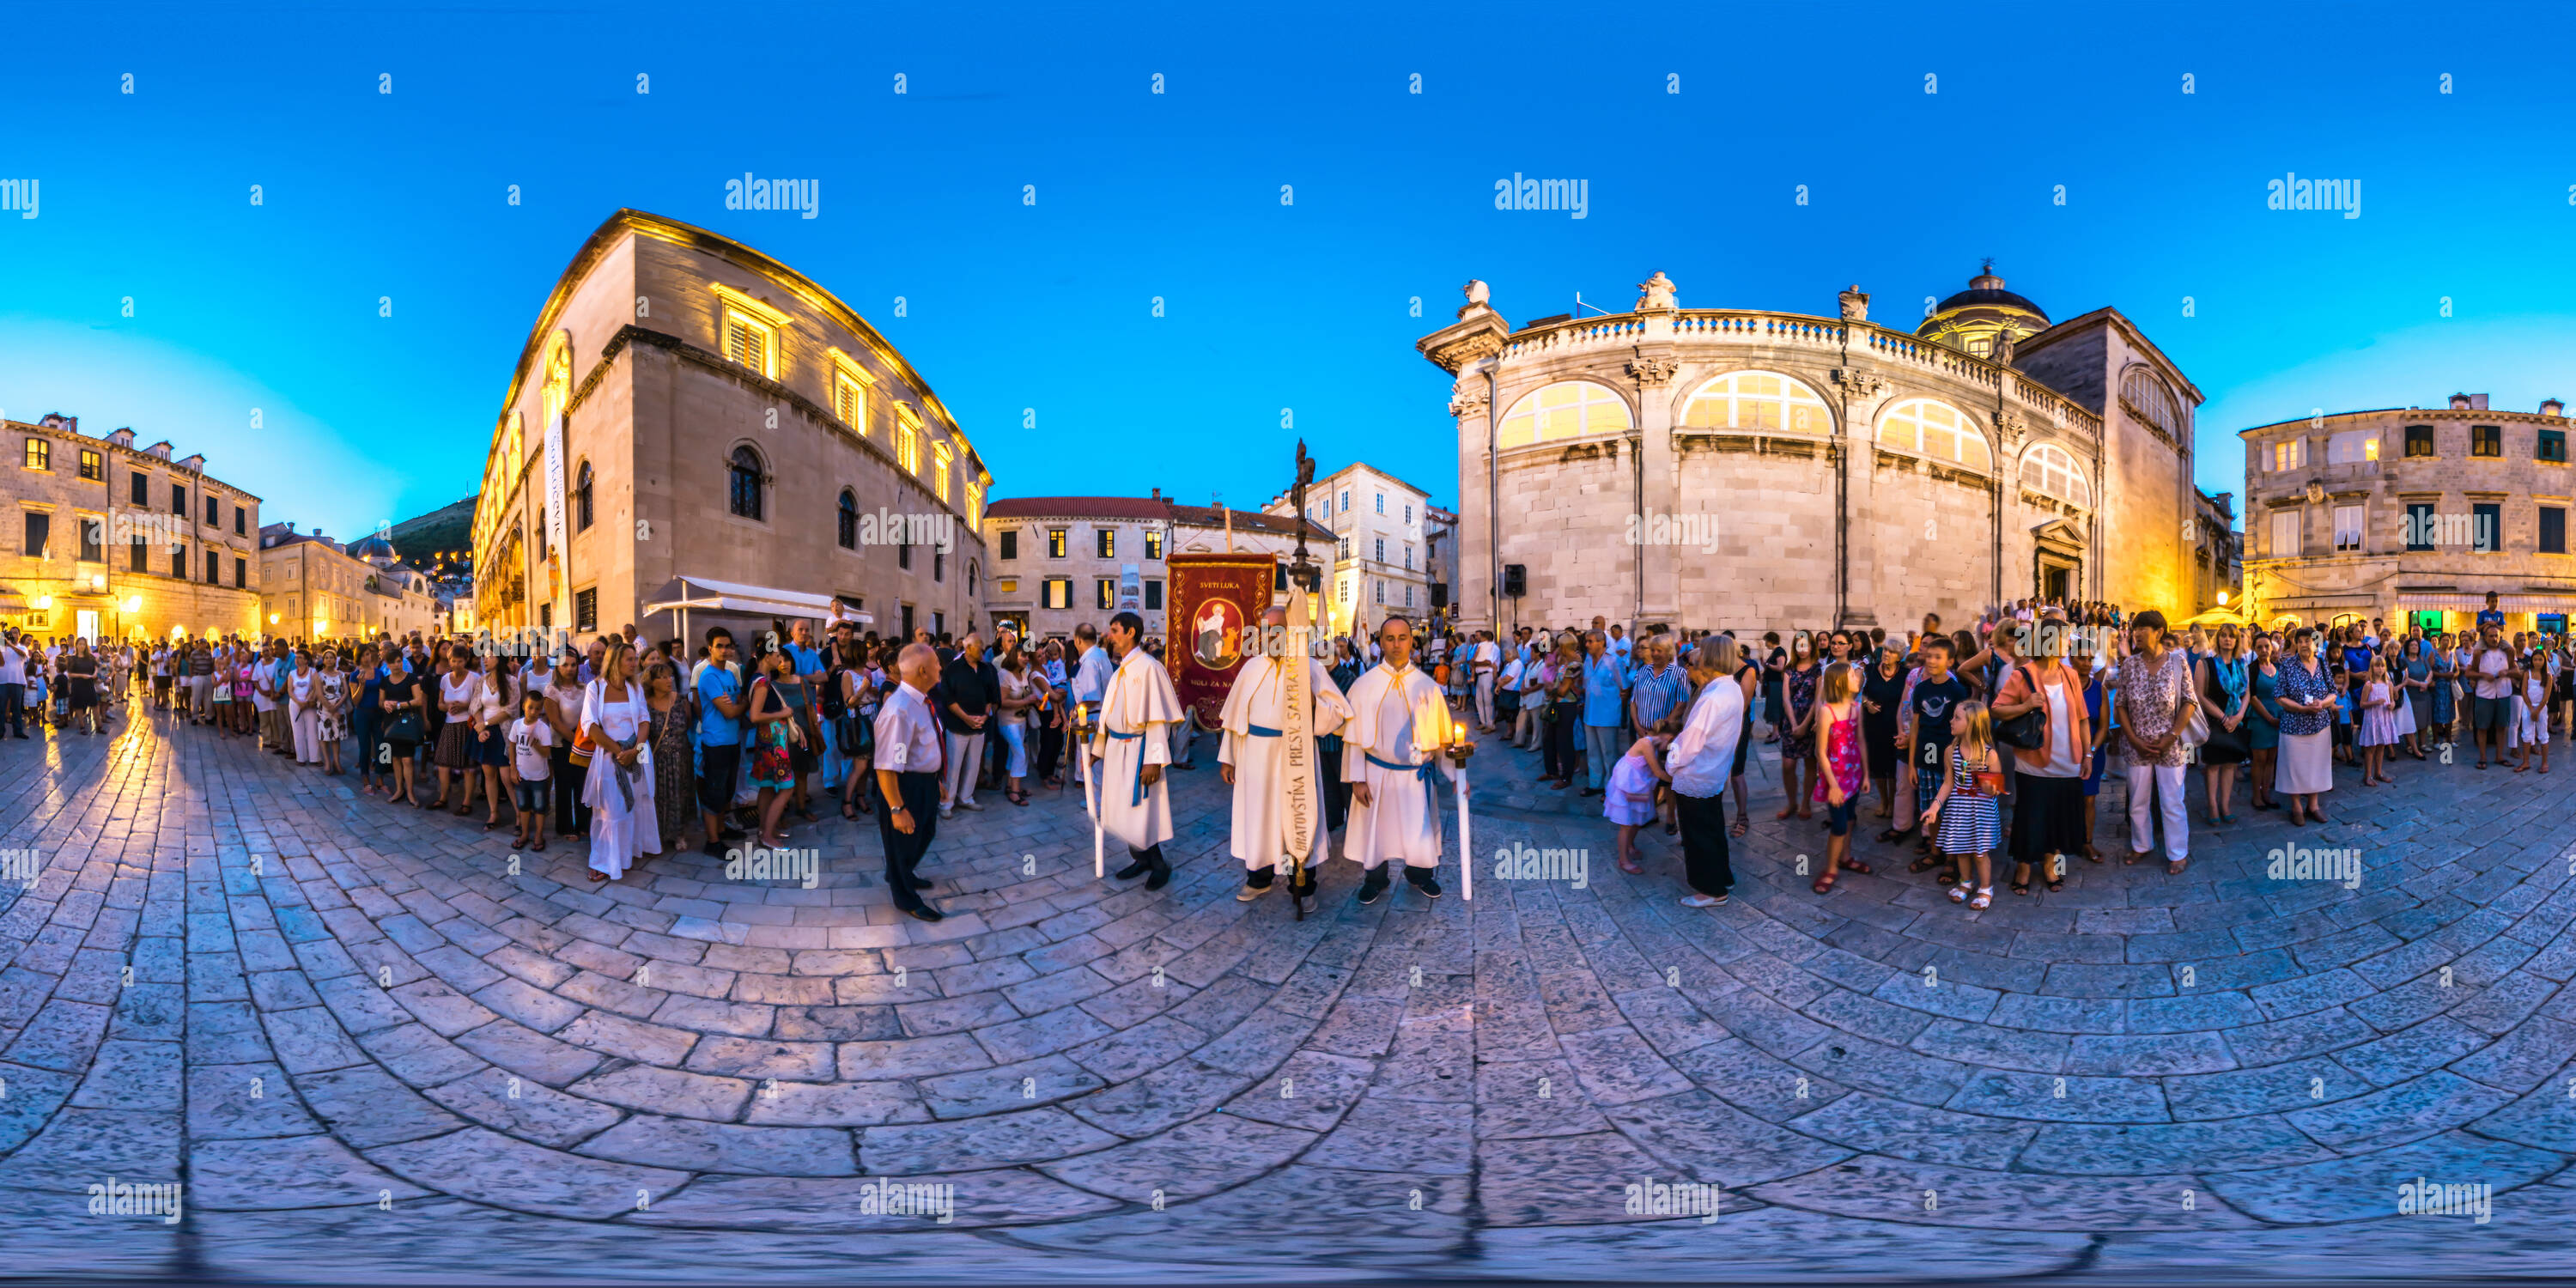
[373, 547]
[1987, 289]
[1974, 319]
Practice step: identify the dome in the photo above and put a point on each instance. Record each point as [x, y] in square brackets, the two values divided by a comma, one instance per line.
[374, 547]
[1971, 319]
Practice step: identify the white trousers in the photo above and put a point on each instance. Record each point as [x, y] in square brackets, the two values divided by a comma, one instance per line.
[965, 761]
[2147, 785]
[1485, 700]
[308, 737]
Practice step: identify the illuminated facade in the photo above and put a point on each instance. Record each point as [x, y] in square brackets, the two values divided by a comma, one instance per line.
[1380, 529]
[1061, 561]
[2412, 514]
[312, 587]
[687, 407]
[1706, 468]
[115, 541]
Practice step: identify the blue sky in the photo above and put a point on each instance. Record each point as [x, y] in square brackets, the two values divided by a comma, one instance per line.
[2466, 197]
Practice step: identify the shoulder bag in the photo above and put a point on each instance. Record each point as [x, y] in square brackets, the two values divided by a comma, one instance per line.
[2029, 730]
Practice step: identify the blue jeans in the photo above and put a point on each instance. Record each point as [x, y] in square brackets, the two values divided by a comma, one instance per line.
[13, 708]
[1605, 748]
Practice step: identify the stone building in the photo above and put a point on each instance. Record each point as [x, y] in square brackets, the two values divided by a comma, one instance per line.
[312, 587]
[1061, 561]
[1717, 468]
[687, 408]
[115, 541]
[1381, 547]
[2217, 554]
[2412, 513]
[1440, 554]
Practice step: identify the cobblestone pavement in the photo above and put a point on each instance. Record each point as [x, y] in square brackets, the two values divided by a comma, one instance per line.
[370, 1051]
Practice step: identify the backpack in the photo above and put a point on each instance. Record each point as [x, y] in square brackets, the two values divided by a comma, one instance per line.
[830, 700]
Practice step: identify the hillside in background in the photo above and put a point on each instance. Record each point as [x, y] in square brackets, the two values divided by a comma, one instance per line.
[447, 528]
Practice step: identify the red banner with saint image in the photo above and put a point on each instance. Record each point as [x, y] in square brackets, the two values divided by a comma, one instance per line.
[1215, 606]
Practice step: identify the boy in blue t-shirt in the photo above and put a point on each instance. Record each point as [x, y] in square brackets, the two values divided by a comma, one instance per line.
[720, 730]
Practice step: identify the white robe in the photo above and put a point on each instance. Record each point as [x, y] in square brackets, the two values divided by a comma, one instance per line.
[1140, 701]
[619, 836]
[1259, 698]
[1403, 822]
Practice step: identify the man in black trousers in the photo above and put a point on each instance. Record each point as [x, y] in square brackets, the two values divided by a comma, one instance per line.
[907, 765]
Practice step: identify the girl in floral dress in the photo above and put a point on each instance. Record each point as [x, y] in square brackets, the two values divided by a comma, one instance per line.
[1798, 738]
[1842, 773]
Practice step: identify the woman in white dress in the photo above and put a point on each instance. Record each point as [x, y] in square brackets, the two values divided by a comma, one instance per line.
[619, 791]
[304, 709]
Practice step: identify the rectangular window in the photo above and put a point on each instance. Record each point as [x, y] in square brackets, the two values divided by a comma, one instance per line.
[1408, 556]
[2486, 528]
[214, 512]
[907, 449]
[2289, 455]
[1153, 545]
[40, 529]
[179, 499]
[1381, 550]
[2553, 530]
[1408, 594]
[1009, 585]
[546, 616]
[92, 466]
[1279, 579]
[2285, 534]
[1059, 593]
[241, 573]
[1345, 544]
[938, 564]
[1108, 542]
[1408, 514]
[751, 342]
[139, 556]
[2352, 447]
[1346, 500]
[2420, 529]
[2419, 440]
[1381, 590]
[1010, 543]
[241, 521]
[2486, 440]
[974, 505]
[939, 623]
[40, 454]
[2347, 528]
[585, 609]
[1106, 592]
[850, 399]
[1381, 502]
[903, 554]
[941, 456]
[1153, 594]
[1055, 543]
[178, 561]
[93, 539]
[2552, 446]
[214, 568]
[142, 489]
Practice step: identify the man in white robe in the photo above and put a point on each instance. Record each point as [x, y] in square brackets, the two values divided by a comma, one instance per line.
[1396, 711]
[1132, 743]
[1254, 759]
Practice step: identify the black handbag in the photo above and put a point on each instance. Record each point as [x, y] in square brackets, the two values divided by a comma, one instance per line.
[2029, 730]
[405, 727]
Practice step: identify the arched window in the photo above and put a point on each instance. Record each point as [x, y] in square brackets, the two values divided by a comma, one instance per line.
[2051, 471]
[581, 499]
[1758, 401]
[1936, 430]
[2153, 400]
[849, 520]
[558, 386]
[971, 573]
[746, 482]
[1567, 409]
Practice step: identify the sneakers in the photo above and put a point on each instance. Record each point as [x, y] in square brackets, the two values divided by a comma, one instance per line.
[1256, 883]
[947, 812]
[1250, 892]
[1423, 881]
[1373, 886]
[970, 805]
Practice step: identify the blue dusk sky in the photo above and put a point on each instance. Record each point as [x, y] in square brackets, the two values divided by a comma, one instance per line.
[2454, 277]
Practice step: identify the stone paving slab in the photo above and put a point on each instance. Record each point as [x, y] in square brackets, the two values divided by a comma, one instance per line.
[352, 1027]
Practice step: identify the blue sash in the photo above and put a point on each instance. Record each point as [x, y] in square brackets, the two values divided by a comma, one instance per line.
[1258, 732]
[1426, 771]
[1138, 796]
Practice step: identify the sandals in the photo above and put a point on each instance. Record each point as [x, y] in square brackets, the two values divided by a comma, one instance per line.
[2020, 885]
[1893, 835]
[1923, 864]
[2174, 868]
[1016, 798]
[2057, 878]
[1824, 884]
[1632, 867]
[1739, 827]
[1855, 865]
[1959, 894]
[1985, 899]
[849, 811]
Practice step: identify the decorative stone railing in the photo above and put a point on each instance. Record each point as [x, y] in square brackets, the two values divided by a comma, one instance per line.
[1826, 335]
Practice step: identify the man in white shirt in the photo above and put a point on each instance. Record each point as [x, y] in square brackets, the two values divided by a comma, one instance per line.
[1700, 761]
[908, 750]
[1508, 693]
[1619, 645]
[263, 700]
[1092, 671]
[1487, 661]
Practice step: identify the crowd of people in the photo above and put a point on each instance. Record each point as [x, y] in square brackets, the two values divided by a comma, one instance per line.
[1989, 743]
